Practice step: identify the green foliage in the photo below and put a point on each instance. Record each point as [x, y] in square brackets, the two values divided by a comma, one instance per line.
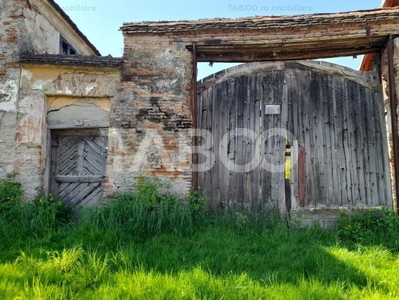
[40, 217]
[146, 211]
[147, 190]
[269, 219]
[10, 193]
[49, 211]
[370, 226]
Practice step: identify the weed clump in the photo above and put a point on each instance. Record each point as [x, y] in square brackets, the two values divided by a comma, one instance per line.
[372, 226]
[11, 194]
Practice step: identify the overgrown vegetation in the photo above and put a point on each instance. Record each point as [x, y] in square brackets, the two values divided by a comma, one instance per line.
[370, 227]
[10, 193]
[150, 245]
[146, 212]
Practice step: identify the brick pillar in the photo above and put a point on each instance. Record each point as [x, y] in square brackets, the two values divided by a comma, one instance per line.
[11, 18]
[151, 121]
[30, 153]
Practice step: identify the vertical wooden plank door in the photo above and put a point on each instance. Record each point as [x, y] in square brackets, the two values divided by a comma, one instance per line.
[246, 141]
[78, 161]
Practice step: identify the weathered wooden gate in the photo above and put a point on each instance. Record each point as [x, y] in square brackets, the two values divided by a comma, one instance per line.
[78, 160]
[259, 112]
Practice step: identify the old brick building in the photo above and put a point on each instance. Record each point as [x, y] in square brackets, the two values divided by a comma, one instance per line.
[79, 125]
[34, 27]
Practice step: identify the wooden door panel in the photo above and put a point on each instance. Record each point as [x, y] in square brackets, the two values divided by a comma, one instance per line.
[235, 107]
[78, 165]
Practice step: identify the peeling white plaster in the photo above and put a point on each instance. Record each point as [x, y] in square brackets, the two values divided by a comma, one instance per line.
[38, 85]
[90, 87]
[9, 169]
[30, 125]
[27, 74]
[152, 138]
[8, 95]
[68, 91]
[166, 57]
[165, 84]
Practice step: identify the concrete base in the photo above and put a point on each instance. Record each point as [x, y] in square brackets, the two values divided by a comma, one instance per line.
[326, 217]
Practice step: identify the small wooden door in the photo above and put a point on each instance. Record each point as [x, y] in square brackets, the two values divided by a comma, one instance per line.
[78, 161]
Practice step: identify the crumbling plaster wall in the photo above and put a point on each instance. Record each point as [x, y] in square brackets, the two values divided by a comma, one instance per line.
[151, 122]
[55, 95]
[22, 29]
[37, 34]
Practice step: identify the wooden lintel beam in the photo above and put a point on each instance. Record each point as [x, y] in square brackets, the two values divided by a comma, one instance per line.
[286, 43]
[194, 116]
[278, 56]
[289, 50]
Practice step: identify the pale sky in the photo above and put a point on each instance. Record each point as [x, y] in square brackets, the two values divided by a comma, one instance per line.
[100, 20]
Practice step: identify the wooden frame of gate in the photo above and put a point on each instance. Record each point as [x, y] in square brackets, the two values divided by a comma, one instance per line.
[298, 187]
[334, 45]
[330, 117]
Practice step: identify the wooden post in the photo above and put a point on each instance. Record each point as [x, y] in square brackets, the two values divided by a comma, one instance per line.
[394, 118]
[194, 116]
[294, 175]
[302, 176]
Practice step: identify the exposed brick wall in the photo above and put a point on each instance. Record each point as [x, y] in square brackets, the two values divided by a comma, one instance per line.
[150, 116]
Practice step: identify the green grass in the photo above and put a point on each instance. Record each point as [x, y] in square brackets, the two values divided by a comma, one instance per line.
[141, 247]
[216, 262]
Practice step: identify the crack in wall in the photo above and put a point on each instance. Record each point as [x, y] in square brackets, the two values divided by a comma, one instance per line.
[2, 113]
[78, 103]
